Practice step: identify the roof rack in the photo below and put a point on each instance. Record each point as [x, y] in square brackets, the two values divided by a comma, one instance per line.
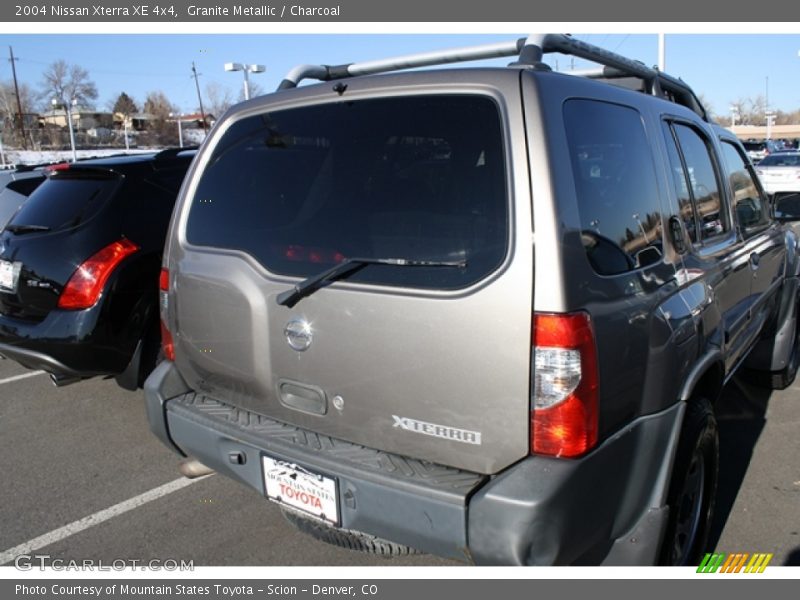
[530, 52]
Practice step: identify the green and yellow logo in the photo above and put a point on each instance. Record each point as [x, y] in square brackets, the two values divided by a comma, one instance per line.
[734, 563]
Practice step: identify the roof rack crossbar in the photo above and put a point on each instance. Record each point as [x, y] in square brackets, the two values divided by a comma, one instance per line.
[530, 51]
[410, 61]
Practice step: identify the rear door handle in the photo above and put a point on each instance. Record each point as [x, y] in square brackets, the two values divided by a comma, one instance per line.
[755, 258]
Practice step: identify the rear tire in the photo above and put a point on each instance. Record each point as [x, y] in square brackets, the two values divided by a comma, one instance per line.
[693, 487]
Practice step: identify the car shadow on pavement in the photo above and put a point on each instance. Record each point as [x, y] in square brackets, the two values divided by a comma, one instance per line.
[741, 418]
[793, 560]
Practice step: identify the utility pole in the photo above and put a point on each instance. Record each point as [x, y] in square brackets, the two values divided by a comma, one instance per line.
[199, 98]
[12, 60]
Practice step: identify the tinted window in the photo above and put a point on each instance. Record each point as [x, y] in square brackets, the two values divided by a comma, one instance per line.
[64, 201]
[685, 205]
[616, 186]
[751, 213]
[701, 182]
[415, 177]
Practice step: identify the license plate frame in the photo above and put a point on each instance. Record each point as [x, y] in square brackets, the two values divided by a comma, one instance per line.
[306, 490]
[9, 276]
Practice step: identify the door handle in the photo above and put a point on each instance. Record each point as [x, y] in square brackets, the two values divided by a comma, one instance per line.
[755, 258]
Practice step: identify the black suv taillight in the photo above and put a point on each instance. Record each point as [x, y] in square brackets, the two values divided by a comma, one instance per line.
[86, 284]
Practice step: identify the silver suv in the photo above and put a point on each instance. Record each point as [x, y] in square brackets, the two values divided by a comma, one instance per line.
[482, 313]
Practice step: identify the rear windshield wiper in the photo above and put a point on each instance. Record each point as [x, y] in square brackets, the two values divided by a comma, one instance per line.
[26, 228]
[349, 266]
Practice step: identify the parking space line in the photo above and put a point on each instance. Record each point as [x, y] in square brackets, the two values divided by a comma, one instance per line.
[95, 519]
[23, 376]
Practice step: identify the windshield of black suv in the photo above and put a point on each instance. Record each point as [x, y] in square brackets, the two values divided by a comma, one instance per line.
[417, 177]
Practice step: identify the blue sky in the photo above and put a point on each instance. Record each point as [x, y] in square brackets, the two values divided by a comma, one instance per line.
[722, 67]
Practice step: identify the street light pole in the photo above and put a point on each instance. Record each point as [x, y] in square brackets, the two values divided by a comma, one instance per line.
[734, 115]
[246, 69]
[180, 128]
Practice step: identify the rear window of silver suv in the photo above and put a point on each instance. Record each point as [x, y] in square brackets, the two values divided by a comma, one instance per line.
[416, 177]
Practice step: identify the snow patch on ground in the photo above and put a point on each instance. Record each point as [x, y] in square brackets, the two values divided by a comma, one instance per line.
[35, 157]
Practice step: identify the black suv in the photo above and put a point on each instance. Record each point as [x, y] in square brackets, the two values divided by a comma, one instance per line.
[79, 265]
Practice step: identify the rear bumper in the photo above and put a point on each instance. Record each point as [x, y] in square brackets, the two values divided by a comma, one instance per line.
[605, 508]
[67, 344]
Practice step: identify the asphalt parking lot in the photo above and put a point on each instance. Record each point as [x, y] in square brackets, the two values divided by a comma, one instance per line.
[83, 478]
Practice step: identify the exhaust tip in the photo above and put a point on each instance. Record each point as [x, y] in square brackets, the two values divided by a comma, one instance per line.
[191, 468]
[62, 380]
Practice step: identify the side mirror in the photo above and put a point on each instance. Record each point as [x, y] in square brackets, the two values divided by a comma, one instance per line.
[787, 206]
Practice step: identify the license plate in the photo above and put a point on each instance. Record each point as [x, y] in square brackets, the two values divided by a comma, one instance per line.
[9, 275]
[293, 485]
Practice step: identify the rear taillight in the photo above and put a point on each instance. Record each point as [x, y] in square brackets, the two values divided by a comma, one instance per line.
[167, 345]
[86, 284]
[564, 411]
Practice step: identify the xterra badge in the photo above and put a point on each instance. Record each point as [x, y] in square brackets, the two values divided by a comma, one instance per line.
[440, 431]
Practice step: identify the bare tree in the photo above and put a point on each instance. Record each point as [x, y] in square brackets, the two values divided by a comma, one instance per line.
[160, 130]
[757, 106]
[255, 90]
[739, 111]
[219, 99]
[68, 82]
[708, 106]
[158, 105]
[9, 110]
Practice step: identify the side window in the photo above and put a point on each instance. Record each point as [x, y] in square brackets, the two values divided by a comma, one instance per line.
[685, 205]
[749, 207]
[700, 180]
[616, 186]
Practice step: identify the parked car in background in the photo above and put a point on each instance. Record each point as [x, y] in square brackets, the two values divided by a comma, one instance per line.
[758, 150]
[780, 172]
[482, 313]
[79, 267]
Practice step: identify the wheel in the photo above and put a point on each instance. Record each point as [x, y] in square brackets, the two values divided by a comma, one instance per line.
[693, 487]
